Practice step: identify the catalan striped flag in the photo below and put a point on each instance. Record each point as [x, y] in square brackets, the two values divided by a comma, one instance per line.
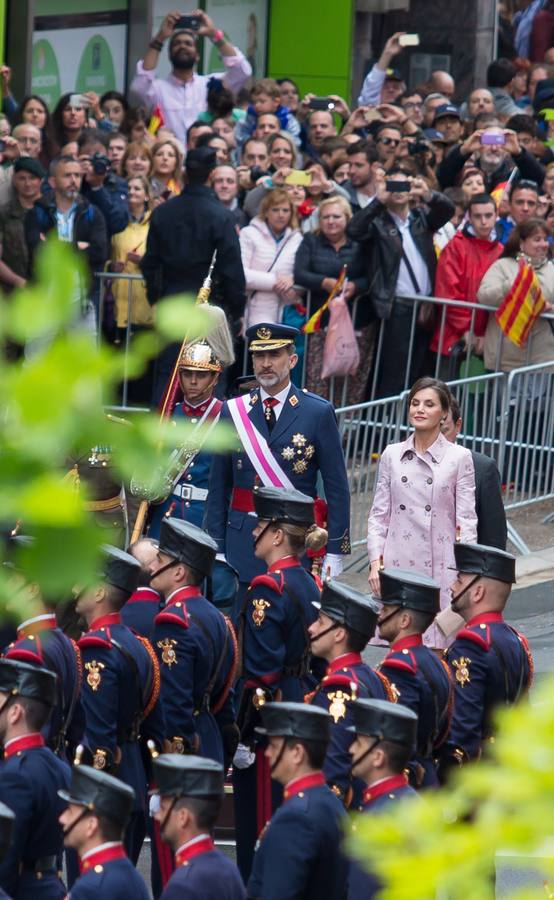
[156, 120]
[314, 322]
[521, 306]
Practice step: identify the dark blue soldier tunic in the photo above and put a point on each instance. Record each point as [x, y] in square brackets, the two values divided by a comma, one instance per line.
[422, 682]
[491, 666]
[140, 610]
[30, 777]
[108, 874]
[299, 856]
[203, 873]
[377, 799]
[196, 646]
[348, 678]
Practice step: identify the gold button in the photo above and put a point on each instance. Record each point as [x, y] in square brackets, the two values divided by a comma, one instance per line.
[482, 625]
[98, 869]
[194, 421]
[178, 605]
[301, 794]
[405, 651]
[391, 796]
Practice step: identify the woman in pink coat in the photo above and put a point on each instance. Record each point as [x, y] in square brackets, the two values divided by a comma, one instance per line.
[268, 247]
[424, 499]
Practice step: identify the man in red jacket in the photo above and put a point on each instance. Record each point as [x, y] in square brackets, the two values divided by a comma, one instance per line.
[462, 264]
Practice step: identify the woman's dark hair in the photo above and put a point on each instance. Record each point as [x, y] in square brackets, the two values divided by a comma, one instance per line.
[220, 100]
[50, 147]
[522, 232]
[27, 99]
[133, 116]
[441, 389]
[115, 95]
[58, 128]
[281, 81]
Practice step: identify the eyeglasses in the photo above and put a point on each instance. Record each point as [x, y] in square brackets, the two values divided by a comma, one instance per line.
[394, 142]
[410, 105]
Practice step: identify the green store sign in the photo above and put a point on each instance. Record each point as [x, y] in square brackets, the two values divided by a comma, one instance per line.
[45, 73]
[96, 69]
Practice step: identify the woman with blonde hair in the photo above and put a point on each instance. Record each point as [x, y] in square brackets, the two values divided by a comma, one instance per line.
[268, 247]
[167, 169]
[136, 160]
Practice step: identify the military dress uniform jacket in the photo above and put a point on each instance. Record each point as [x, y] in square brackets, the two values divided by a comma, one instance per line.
[41, 643]
[306, 443]
[108, 873]
[348, 678]
[30, 778]
[377, 799]
[197, 650]
[204, 873]
[492, 666]
[422, 682]
[188, 499]
[140, 610]
[298, 856]
[121, 688]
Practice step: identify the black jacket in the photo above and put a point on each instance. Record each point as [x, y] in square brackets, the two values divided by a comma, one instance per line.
[112, 201]
[89, 227]
[376, 230]
[491, 517]
[453, 163]
[183, 234]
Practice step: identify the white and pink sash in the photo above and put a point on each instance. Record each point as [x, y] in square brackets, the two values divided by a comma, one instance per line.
[256, 447]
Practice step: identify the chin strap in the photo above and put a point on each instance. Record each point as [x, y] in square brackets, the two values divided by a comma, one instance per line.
[80, 817]
[279, 757]
[327, 630]
[356, 762]
[262, 532]
[390, 616]
[455, 599]
[165, 819]
[169, 565]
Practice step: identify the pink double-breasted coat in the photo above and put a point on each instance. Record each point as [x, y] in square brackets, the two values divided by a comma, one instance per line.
[420, 499]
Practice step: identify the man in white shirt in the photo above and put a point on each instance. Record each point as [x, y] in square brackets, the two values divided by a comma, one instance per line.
[383, 84]
[184, 93]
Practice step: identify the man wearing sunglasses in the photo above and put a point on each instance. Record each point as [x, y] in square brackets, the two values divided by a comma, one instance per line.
[387, 142]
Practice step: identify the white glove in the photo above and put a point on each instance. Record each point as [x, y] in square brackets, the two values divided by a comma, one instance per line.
[154, 804]
[243, 757]
[332, 565]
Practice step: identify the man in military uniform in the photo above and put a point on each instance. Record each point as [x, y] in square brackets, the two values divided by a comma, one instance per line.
[144, 604]
[286, 438]
[40, 642]
[99, 808]
[490, 661]
[190, 789]
[384, 740]
[30, 776]
[421, 680]
[121, 685]
[299, 851]
[346, 622]
[196, 646]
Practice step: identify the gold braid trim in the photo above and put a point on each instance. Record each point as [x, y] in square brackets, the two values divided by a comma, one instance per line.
[79, 662]
[156, 680]
[391, 695]
[525, 644]
[232, 671]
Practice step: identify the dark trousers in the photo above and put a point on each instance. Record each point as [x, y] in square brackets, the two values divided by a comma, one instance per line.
[391, 363]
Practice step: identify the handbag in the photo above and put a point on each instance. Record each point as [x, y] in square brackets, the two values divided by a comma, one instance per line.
[341, 354]
[426, 311]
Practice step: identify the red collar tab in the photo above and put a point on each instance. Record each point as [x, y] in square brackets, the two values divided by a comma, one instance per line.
[385, 787]
[344, 662]
[288, 562]
[195, 410]
[105, 621]
[27, 742]
[485, 619]
[185, 593]
[108, 855]
[304, 783]
[143, 594]
[406, 643]
[36, 627]
[196, 849]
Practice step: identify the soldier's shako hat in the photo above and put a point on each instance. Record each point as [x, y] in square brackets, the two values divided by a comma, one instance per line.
[200, 357]
[120, 569]
[188, 544]
[24, 680]
[490, 562]
[7, 818]
[296, 720]
[274, 504]
[384, 720]
[101, 793]
[269, 336]
[348, 607]
[410, 590]
[187, 776]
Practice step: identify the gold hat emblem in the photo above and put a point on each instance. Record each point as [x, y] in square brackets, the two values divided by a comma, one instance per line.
[94, 677]
[264, 333]
[258, 613]
[99, 759]
[168, 652]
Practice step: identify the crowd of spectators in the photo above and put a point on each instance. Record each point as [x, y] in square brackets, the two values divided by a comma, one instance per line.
[417, 190]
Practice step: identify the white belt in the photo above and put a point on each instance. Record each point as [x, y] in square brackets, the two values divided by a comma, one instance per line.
[189, 492]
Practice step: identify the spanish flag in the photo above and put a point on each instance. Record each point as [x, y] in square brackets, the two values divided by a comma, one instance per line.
[156, 121]
[498, 193]
[521, 306]
[314, 322]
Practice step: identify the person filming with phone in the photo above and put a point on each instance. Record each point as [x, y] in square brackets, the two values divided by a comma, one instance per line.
[183, 95]
[496, 151]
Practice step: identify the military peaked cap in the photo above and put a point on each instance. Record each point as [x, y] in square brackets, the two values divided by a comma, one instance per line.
[386, 721]
[409, 589]
[101, 793]
[188, 544]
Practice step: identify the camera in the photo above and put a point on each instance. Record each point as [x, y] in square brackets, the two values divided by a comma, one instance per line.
[256, 172]
[417, 147]
[100, 163]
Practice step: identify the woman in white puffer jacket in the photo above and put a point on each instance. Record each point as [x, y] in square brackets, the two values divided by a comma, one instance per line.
[268, 247]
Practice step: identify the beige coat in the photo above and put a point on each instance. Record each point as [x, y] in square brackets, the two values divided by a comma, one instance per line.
[540, 346]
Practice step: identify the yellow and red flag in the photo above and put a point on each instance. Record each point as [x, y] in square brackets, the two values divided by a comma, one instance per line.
[499, 191]
[314, 322]
[156, 121]
[521, 306]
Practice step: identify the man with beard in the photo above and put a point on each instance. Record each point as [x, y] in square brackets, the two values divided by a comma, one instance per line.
[287, 438]
[183, 95]
[496, 160]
